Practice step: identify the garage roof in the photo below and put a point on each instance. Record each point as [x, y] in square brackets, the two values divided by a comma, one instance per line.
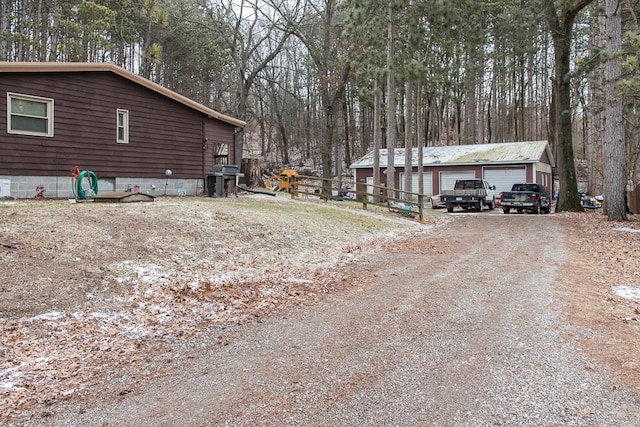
[450, 155]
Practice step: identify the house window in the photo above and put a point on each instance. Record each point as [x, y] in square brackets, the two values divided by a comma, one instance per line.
[220, 153]
[29, 115]
[123, 126]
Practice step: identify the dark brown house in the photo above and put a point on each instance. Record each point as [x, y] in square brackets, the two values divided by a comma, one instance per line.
[99, 117]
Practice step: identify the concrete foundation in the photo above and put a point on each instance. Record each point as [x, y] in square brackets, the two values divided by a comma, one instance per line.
[29, 187]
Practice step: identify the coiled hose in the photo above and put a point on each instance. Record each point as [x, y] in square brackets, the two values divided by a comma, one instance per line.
[81, 194]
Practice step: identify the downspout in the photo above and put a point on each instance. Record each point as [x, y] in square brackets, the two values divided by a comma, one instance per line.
[205, 146]
[238, 142]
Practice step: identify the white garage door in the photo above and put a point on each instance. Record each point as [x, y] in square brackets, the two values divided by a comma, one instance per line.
[369, 188]
[503, 179]
[427, 182]
[448, 179]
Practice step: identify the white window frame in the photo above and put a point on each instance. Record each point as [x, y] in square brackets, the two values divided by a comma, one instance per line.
[125, 126]
[49, 117]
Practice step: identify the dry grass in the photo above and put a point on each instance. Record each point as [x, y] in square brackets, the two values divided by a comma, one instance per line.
[87, 287]
[92, 289]
[602, 255]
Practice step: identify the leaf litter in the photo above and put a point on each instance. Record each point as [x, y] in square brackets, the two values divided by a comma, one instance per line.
[89, 289]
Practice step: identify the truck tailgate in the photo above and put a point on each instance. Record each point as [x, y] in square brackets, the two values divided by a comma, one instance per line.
[469, 192]
[519, 197]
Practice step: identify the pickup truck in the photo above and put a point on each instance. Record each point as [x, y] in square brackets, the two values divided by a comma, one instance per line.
[470, 194]
[527, 196]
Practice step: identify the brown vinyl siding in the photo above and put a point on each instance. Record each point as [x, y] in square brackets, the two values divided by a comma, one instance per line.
[163, 133]
[216, 134]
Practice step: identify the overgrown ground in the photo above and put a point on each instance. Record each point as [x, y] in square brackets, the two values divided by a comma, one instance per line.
[602, 287]
[91, 290]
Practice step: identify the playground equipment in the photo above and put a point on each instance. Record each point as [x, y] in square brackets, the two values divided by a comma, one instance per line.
[288, 180]
[78, 184]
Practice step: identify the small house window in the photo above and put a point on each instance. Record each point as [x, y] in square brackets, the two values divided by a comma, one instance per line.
[29, 115]
[220, 153]
[123, 126]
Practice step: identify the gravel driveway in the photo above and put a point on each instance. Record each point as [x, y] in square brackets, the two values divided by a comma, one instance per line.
[461, 328]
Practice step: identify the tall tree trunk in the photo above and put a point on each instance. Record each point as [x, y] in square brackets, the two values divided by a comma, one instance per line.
[596, 123]
[561, 26]
[408, 140]
[4, 29]
[569, 199]
[419, 137]
[377, 133]
[614, 152]
[391, 104]
[346, 117]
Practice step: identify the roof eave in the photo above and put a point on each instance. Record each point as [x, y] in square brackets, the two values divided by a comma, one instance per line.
[509, 162]
[22, 67]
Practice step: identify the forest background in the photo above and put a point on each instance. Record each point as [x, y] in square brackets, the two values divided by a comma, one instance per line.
[322, 82]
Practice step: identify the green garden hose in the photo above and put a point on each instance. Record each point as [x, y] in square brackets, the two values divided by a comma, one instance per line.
[81, 194]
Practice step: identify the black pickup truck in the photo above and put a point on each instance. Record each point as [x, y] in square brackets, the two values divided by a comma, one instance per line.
[528, 196]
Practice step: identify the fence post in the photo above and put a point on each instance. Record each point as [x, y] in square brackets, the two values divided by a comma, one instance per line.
[294, 186]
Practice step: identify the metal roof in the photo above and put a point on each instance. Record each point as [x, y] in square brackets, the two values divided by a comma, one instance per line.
[457, 155]
[32, 67]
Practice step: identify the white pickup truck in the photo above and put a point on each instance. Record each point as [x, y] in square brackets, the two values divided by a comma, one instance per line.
[470, 194]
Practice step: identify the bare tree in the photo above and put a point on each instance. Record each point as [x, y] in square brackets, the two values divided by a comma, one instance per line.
[320, 31]
[256, 42]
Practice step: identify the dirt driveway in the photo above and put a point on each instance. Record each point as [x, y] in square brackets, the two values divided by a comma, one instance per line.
[469, 325]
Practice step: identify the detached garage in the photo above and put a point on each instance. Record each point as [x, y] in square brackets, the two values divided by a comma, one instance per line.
[500, 164]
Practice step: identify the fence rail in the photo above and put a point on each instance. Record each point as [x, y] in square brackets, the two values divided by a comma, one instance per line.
[403, 202]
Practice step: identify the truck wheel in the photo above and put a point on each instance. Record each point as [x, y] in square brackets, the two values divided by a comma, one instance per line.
[506, 210]
[449, 207]
[492, 206]
[536, 209]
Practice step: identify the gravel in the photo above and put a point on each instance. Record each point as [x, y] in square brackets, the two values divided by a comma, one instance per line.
[461, 325]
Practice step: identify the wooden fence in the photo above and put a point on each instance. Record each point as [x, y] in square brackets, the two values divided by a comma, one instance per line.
[403, 202]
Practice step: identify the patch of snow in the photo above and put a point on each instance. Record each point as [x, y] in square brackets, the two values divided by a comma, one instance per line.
[8, 378]
[223, 277]
[139, 272]
[298, 280]
[10, 386]
[105, 319]
[627, 229]
[149, 273]
[41, 361]
[627, 292]
[135, 331]
[52, 315]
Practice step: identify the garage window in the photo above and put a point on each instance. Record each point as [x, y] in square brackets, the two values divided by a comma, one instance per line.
[29, 115]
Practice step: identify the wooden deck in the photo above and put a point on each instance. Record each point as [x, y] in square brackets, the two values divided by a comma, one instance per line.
[123, 197]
